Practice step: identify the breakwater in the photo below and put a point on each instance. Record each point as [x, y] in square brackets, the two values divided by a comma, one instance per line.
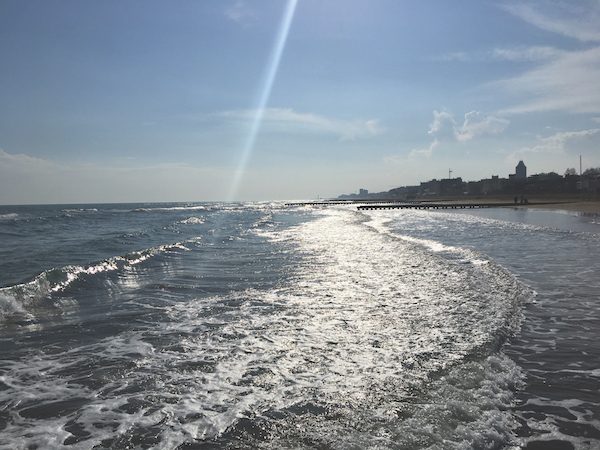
[387, 204]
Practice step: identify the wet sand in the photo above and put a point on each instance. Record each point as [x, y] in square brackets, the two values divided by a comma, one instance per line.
[591, 207]
[565, 203]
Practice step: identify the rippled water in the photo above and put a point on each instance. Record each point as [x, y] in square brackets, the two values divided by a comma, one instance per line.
[262, 326]
[555, 253]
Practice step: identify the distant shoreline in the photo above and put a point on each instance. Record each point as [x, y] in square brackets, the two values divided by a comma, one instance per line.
[572, 203]
[558, 202]
[592, 207]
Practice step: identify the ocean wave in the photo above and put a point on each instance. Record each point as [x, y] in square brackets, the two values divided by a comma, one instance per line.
[24, 298]
[10, 216]
[76, 210]
[192, 220]
[172, 208]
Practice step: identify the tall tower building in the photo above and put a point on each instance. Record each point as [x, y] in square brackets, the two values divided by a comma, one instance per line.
[521, 171]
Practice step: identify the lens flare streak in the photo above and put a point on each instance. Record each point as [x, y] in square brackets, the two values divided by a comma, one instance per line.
[265, 93]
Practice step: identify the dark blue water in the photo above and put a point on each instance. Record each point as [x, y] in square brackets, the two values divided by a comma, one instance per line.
[263, 326]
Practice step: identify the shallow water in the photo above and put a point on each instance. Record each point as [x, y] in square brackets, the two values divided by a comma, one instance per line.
[261, 326]
[555, 253]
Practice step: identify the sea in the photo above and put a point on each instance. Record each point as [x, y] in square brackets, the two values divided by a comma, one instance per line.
[270, 326]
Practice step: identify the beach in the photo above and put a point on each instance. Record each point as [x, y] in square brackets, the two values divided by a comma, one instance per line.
[565, 202]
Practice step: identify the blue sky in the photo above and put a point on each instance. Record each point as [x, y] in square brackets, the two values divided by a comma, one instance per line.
[119, 101]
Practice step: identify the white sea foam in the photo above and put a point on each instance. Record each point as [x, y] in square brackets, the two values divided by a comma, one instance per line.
[10, 216]
[23, 298]
[192, 220]
[9, 306]
[373, 341]
[173, 208]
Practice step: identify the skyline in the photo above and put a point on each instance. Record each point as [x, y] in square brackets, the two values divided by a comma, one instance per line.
[156, 101]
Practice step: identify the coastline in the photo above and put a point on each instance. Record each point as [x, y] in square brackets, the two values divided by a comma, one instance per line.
[551, 202]
[590, 207]
[557, 202]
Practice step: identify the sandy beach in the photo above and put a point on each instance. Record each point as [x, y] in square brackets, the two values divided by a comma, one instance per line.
[565, 203]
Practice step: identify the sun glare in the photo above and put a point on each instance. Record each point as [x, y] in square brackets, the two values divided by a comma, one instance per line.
[265, 92]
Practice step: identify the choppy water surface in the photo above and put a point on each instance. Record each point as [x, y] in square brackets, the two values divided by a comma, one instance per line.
[556, 253]
[261, 326]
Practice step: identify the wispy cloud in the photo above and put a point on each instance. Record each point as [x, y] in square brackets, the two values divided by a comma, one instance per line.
[287, 120]
[239, 12]
[568, 83]
[21, 161]
[445, 129]
[572, 142]
[565, 80]
[517, 54]
[457, 56]
[580, 21]
[476, 124]
[424, 152]
[535, 53]
[442, 128]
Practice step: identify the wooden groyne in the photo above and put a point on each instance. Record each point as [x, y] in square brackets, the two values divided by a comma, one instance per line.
[391, 204]
[342, 202]
[427, 205]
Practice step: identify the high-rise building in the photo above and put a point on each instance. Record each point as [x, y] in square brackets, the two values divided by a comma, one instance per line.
[521, 171]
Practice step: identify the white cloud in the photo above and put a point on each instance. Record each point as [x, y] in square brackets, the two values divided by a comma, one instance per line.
[445, 130]
[536, 53]
[570, 142]
[477, 124]
[239, 12]
[455, 56]
[564, 80]
[287, 120]
[443, 126]
[568, 83]
[424, 153]
[10, 162]
[517, 54]
[568, 80]
[576, 20]
[442, 129]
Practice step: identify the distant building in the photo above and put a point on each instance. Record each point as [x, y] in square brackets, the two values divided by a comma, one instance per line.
[449, 186]
[363, 192]
[521, 171]
[491, 185]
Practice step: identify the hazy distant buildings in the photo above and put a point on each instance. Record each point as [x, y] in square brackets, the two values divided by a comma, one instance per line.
[362, 194]
[448, 186]
[491, 185]
[516, 184]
